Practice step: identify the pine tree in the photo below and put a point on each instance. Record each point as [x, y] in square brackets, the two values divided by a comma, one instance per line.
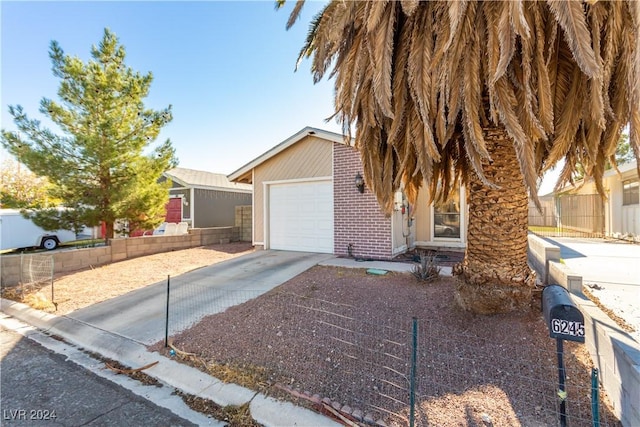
[103, 167]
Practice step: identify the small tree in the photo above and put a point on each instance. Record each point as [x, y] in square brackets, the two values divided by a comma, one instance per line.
[20, 188]
[624, 152]
[99, 167]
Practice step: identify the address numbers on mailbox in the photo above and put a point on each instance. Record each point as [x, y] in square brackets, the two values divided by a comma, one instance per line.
[564, 319]
[559, 326]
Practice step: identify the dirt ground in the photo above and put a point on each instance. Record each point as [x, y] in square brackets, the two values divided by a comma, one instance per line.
[276, 336]
[80, 289]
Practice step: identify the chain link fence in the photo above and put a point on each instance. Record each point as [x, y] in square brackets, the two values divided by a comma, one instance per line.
[399, 371]
[36, 281]
[569, 215]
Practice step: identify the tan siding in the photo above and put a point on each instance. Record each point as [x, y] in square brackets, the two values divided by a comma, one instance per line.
[308, 158]
[423, 219]
[399, 228]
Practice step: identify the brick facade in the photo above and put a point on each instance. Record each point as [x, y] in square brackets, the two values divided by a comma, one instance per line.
[358, 220]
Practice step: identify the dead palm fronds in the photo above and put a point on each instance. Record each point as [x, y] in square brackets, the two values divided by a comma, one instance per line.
[419, 81]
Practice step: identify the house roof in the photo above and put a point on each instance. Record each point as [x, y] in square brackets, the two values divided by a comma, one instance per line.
[206, 180]
[244, 173]
[622, 169]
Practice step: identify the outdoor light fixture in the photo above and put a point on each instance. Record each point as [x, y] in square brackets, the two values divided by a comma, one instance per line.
[359, 183]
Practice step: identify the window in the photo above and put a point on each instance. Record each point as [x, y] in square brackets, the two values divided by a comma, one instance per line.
[630, 194]
[446, 217]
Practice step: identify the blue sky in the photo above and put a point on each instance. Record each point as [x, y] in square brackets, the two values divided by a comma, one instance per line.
[226, 67]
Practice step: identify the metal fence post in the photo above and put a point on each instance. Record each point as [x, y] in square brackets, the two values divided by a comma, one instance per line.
[595, 398]
[166, 318]
[562, 394]
[52, 293]
[414, 358]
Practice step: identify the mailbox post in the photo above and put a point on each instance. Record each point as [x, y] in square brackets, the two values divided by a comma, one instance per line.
[565, 322]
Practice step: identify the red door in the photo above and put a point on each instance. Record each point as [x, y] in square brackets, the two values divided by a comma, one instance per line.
[174, 210]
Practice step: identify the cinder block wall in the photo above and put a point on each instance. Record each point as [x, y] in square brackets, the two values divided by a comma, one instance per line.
[9, 270]
[243, 222]
[66, 261]
[218, 235]
[358, 219]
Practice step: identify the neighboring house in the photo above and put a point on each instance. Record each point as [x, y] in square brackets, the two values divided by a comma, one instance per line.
[621, 216]
[305, 198]
[204, 199]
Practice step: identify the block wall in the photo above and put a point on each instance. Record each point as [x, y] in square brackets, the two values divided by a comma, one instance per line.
[244, 222]
[119, 250]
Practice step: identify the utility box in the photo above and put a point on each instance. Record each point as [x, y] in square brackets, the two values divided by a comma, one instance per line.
[564, 319]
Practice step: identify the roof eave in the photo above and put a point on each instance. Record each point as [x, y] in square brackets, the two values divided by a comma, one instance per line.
[243, 174]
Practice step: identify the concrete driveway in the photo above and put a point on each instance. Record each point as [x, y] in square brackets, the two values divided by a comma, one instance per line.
[140, 315]
[611, 271]
[606, 262]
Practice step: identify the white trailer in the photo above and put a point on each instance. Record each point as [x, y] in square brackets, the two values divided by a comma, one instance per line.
[17, 232]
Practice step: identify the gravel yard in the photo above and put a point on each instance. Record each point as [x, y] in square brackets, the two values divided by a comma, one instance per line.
[343, 336]
[83, 288]
[337, 333]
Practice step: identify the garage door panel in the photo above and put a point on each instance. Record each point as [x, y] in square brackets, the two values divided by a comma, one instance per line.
[301, 216]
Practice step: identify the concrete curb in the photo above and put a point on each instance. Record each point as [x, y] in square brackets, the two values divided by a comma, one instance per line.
[267, 411]
[399, 267]
[160, 396]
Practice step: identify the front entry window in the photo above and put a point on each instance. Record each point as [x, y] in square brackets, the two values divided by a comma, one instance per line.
[447, 217]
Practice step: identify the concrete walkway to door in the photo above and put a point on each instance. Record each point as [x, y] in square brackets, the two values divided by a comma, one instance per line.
[140, 315]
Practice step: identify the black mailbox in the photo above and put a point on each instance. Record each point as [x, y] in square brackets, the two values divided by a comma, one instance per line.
[563, 318]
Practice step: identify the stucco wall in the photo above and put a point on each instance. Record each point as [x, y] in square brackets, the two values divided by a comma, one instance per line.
[358, 220]
[308, 158]
[215, 208]
[619, 219]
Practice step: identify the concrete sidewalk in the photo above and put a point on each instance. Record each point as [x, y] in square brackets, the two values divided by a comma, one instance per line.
[89, 339]
[121, 328]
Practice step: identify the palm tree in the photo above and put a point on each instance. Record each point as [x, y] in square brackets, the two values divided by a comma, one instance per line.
[489, 94]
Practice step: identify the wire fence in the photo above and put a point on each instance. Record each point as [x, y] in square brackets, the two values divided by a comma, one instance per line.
[572, 215]
[36, 275]
[181, 313]
[399, 371]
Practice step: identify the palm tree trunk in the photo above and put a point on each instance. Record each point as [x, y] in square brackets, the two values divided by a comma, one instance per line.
[494, 276]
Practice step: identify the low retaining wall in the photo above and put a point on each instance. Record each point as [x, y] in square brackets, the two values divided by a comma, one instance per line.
[540, 254]
[69, 260]
[613, 351]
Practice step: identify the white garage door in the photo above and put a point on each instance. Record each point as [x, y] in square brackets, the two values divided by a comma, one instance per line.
[301, 216]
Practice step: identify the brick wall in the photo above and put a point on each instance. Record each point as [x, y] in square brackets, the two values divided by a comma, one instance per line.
[119, 250]
[358, 220]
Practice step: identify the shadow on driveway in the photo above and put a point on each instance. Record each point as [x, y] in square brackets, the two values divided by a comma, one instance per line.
[140, 315]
